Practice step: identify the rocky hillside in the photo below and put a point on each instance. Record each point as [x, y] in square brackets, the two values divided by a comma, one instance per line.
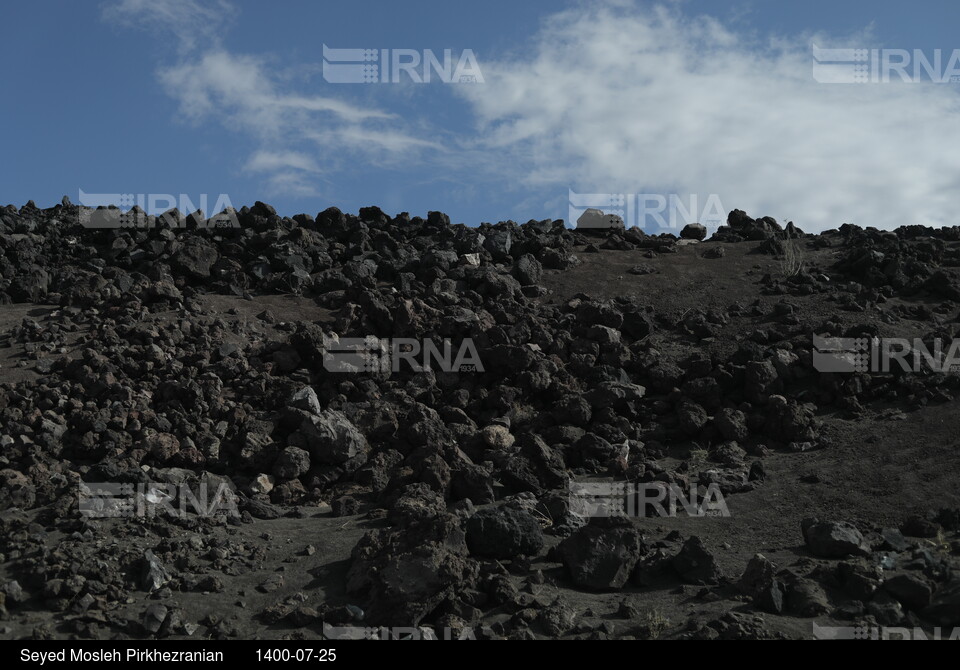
[399, 415]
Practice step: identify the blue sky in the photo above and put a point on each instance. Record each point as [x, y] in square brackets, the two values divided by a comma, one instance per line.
[696, 102]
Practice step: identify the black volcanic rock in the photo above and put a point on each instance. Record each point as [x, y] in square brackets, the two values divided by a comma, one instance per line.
[602, 556]
[695, 564]
[833, 539]
[503, 532]
[693, 231]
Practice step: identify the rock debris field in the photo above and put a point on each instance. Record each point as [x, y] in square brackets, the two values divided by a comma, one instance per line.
[367, 425]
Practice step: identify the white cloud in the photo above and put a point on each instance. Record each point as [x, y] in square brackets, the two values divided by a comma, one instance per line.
[193, 22]
[249, 95]
[371, 140]
[241, 90]
[291, 182]
[627, 99]
[268, 161]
